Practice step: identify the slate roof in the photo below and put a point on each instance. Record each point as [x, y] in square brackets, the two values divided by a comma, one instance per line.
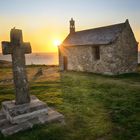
[97, 36]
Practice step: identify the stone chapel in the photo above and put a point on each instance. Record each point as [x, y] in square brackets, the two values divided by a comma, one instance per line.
[107, 50]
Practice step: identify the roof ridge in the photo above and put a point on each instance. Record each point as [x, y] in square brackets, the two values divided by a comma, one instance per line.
[101, 27]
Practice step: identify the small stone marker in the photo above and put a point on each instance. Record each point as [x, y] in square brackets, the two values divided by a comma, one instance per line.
[24, 112]
[17, 48]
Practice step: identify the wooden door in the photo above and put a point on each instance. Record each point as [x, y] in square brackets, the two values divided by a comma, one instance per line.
[65, 60]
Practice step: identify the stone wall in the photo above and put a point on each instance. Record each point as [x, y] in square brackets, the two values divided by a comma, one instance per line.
[79, 58]
[82, 58]
[126, 52]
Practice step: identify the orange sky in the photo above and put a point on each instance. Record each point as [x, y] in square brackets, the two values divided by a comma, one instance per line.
[43, 21]
[42, 37]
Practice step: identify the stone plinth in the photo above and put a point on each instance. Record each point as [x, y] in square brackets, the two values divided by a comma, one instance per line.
[21, 113]
[15, 118]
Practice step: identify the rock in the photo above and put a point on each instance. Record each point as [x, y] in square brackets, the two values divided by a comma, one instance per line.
[38, 74]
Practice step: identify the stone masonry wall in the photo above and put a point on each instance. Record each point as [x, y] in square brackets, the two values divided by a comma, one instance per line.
[82, 58]
[126, 52]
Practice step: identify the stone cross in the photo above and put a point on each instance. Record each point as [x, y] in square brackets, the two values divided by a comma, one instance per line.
[17, 48]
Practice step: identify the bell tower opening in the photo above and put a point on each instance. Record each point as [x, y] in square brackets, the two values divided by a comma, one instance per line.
[72, 26]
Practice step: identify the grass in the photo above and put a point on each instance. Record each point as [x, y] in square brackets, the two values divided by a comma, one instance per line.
[96, 107]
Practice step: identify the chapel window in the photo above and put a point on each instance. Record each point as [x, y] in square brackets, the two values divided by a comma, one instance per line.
[97, 52]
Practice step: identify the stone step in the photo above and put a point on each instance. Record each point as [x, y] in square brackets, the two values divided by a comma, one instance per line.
[15, 110]
[35, 121]
[2, 121]
[52, 116]
[28, 116]
[12, 129]
[2, 116]
[5, 125]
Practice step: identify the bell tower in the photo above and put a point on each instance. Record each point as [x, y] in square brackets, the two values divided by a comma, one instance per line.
[72, 26]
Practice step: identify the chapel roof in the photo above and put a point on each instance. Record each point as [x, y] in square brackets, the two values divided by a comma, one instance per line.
[97, 36]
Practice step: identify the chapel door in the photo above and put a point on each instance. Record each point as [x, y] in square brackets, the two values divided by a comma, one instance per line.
[65, 60]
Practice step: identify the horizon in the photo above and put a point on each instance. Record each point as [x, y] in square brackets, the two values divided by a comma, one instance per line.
[45, 23]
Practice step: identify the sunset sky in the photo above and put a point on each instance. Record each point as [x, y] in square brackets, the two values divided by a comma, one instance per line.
[45, 21]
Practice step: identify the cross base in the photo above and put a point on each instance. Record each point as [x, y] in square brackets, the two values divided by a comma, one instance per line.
[15, 118]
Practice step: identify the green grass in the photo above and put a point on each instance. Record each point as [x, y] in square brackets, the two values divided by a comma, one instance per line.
[96, 107]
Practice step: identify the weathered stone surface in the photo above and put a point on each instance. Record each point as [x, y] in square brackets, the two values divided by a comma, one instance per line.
[21, 113]
[52, 117]
[17, 48]
[2, 115]
[14, 110]
[8, 128]
[14, 128]
[3, 121]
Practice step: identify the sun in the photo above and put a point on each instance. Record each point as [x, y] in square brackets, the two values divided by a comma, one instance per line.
[56, 42]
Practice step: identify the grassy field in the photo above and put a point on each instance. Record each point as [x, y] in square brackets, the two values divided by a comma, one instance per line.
[95, 107]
